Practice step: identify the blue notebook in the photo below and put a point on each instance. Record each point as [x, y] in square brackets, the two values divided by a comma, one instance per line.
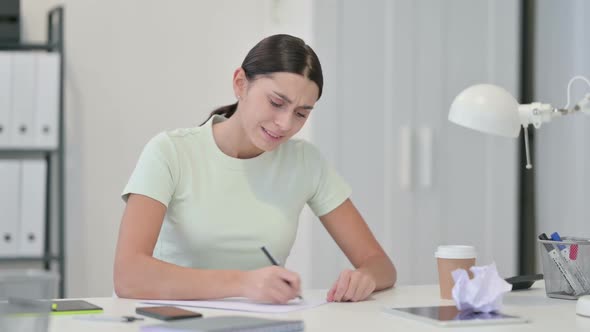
[227, 324]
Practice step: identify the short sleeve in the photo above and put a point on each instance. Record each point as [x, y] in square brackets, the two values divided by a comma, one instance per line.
[329, 189]
[156, 172]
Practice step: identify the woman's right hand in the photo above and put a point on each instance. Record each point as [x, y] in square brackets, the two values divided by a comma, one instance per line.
[272, 284]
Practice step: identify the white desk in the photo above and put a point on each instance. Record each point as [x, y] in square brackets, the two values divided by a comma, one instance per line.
[544, 314]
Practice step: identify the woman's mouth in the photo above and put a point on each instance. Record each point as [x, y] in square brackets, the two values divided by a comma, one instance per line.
[271, 135]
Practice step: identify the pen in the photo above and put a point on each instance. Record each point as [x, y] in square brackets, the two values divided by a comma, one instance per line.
[101, 318]
[572, 282]
[274, 262]
[573, 265]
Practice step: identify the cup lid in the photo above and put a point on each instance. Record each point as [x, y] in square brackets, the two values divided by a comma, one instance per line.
[455, 251]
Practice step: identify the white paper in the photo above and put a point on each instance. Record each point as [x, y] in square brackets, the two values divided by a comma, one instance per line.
[483, 293]
[243, 304]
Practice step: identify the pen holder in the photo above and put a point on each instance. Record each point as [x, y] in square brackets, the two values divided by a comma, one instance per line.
[21, 299]
[566, 267]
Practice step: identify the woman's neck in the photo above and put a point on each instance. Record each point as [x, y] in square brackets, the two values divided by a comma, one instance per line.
[230, 137]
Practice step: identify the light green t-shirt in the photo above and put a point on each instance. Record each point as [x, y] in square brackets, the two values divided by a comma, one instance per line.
[220, 209]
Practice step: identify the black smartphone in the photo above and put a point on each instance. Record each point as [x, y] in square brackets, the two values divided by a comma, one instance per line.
[167, 312]
[524, 281]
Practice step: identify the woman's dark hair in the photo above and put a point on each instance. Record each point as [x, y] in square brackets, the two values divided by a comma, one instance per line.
[274, 54]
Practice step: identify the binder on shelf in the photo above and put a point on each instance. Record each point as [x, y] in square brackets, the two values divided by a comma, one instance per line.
[31, 87]
[47, 100]
[10, 206]
[5, 98]
[23, 98]
[32, 213]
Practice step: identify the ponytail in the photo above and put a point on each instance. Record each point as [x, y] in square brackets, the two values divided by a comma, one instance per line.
[226, 111]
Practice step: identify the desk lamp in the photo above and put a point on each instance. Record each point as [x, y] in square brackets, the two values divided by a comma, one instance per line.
[493, 110]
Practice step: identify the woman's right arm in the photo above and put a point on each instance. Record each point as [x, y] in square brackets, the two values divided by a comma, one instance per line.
[139, 275]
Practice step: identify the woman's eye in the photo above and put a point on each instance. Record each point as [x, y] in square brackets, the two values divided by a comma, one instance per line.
[275, 104]
[301, 115]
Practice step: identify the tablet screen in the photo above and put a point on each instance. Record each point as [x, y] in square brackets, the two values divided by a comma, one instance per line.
[446, 313]
[450, 315]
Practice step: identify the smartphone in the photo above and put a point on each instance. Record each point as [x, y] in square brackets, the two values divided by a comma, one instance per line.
[167, 313]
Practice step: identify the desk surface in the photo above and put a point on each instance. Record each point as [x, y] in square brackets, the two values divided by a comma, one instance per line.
[543, 313]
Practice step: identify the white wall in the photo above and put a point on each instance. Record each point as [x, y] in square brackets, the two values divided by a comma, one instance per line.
[562, 50]
[396, 67]
[134, 68]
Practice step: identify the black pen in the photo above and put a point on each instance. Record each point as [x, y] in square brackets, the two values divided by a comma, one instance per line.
[274, 262]
[105, 318]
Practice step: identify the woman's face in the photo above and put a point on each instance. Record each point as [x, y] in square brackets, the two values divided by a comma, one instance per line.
[274, 108]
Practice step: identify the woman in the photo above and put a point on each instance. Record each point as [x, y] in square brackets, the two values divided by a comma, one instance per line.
[202, 201]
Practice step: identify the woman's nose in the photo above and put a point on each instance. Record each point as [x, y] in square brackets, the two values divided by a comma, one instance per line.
[283, 120]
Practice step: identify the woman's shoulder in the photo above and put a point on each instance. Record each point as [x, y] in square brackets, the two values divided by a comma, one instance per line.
[171, 141]
[185, 133]
[178, 136]
[301, 148]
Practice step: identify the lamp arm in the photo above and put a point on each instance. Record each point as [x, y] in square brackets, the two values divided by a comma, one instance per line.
[535, 114]
[538, 113]
[583, 105]
[569, 87]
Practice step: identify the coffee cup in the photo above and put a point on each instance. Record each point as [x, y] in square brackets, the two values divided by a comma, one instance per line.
[450, 258]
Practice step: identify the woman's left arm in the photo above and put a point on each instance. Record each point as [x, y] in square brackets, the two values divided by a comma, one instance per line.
[373, 269]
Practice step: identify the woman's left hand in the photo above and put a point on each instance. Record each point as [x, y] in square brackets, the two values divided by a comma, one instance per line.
[352, 285]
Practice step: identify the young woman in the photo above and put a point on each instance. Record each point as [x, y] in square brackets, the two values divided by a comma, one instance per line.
[202, 201]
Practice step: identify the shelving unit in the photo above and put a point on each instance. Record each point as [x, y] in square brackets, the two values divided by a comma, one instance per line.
[54, 248]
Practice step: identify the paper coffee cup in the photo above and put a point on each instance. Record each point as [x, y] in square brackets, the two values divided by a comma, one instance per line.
[450, 258]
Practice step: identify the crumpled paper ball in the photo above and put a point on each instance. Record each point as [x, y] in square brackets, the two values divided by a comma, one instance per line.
[483, 293]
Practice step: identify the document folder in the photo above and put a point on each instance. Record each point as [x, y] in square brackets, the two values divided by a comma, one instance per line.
[47, 100]
[5, 98]
[228, 324]
[32, 227]
[23, 98]
[10, 206]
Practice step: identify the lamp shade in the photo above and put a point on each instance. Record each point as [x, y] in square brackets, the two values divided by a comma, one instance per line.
[487, 108]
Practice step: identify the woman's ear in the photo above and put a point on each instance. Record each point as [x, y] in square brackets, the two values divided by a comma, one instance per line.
[239, 82]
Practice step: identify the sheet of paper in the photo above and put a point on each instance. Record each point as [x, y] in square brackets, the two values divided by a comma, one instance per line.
[242, 304]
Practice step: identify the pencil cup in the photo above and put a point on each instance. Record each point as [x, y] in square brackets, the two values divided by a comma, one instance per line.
[450, 258]
[21, 295]
[566, 267]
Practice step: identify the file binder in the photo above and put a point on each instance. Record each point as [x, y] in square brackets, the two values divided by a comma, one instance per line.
[47, 100]
[29, 73]
[23, 98]
[5, 98]
[228, 324]
[9, 205]
[32, 222]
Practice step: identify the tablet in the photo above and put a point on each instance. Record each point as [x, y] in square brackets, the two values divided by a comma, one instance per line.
[451, 316]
